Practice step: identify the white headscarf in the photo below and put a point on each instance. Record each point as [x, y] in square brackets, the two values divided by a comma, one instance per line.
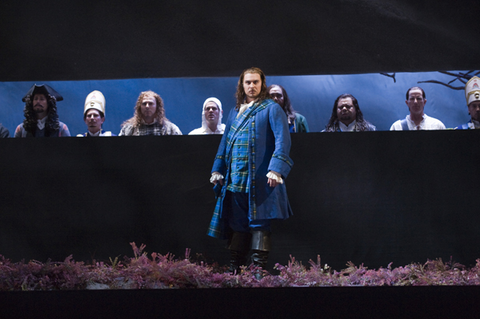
[220, 112]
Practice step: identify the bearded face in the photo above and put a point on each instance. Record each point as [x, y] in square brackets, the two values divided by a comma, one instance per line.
[346, 111]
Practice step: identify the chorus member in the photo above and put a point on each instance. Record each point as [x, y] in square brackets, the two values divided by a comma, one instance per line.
[472, 95]
[94, 115]
[212, 114]
[297, 123]
[417, 119]
[149, 118]
[41, 118]
[347, 116]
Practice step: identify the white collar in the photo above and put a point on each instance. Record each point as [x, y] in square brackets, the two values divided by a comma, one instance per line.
[41, 123]
[95, 134]
[243, 107]
[348, 128]
[424, 116]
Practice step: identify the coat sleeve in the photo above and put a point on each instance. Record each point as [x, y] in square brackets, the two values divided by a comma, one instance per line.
[64, 132]
[126, 130]
[219, 164]
[4, 133]
[19, 131]
[173, 129]
[280, 161]
[302, 125]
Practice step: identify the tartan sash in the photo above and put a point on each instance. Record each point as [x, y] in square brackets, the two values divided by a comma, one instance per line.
[239, 124]
[218, 226]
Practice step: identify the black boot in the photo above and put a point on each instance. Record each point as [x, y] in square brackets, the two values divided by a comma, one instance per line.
[239, 245]
[260, 247]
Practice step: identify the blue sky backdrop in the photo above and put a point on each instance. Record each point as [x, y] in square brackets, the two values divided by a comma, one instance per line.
[381, 100]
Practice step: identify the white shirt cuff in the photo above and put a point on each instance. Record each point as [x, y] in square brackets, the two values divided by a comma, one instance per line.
[275, 176]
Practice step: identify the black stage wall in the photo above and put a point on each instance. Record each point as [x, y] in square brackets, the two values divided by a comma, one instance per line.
[373, 198]
[78, 40]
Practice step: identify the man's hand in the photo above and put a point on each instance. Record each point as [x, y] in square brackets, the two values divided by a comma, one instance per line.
[274, 179]
[216, 178]
[271, 182]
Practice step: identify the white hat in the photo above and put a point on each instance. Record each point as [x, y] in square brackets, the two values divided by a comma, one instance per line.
[95, 100]
[220, 113]
[472, 90]
[215, 100]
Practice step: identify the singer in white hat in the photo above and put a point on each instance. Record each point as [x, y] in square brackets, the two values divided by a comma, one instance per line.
[472, 95]
[94, 115]
[212, 114]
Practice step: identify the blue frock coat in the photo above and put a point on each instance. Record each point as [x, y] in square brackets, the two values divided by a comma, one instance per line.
[269, 147]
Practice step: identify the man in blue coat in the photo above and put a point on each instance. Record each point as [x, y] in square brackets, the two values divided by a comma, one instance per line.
[249, 171]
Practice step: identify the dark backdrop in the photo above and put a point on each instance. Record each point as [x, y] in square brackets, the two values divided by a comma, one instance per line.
[72, 40]
[373, 198]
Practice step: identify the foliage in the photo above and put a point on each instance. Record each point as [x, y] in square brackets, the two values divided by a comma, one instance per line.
[165, 272]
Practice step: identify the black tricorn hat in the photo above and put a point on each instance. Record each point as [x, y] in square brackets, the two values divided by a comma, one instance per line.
[43, 89]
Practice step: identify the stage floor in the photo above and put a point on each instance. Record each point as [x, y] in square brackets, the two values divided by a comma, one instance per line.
[326, 302]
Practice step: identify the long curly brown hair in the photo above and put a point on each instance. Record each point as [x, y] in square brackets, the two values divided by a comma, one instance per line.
[240, 94]
[137, 118]
[30, 121]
